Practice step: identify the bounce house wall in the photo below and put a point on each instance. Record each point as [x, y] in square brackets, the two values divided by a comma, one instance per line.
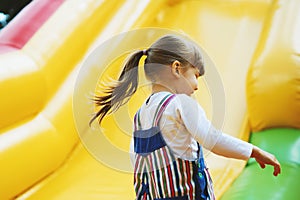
[273, 82]
[41, 154]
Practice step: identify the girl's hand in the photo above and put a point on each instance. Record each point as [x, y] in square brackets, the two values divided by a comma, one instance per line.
[264, 158]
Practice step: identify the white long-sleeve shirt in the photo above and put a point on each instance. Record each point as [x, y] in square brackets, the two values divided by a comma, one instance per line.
[184, 122]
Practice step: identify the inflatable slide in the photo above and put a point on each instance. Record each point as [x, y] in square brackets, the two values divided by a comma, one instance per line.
[54, 53]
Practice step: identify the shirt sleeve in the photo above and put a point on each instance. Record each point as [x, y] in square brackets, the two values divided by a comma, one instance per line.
[196, 122]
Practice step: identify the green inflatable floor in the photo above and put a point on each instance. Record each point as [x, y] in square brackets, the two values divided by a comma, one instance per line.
[255, 183]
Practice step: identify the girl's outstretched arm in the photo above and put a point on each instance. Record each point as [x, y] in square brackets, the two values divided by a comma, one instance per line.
[264, 158]
[218, 142]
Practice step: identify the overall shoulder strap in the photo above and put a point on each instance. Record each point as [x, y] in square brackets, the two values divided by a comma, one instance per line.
[159, 110]
[200, 157]
[137, 121]
[161, 107]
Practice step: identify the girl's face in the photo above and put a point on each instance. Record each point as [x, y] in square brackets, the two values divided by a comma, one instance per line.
[188, 81]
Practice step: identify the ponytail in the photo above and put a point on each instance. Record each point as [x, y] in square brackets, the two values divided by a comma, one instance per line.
[118, 94]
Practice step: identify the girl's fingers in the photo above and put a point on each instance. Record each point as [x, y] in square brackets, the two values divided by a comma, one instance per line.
[264, 158]
[261, 164]
[277, 169]
[276, 172]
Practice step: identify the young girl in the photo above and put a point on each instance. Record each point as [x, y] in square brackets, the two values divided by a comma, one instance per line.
[171, 128]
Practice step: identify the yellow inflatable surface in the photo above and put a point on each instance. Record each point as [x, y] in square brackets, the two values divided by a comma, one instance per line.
[47, 149]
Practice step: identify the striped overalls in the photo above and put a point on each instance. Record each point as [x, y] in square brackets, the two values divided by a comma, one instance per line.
[158, 174]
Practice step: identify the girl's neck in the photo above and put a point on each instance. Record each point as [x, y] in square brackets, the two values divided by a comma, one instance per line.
[160, 88]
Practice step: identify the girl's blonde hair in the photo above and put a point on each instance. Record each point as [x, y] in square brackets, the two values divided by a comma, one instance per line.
[164, 51]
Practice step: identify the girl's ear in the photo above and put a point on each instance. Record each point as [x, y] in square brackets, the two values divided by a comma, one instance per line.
[175, 68]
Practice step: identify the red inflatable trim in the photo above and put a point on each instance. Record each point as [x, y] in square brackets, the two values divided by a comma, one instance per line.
[17, 33]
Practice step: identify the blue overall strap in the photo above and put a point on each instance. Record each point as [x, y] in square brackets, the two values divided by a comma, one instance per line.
[201, 177]
[200, 158]
[204, 177]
